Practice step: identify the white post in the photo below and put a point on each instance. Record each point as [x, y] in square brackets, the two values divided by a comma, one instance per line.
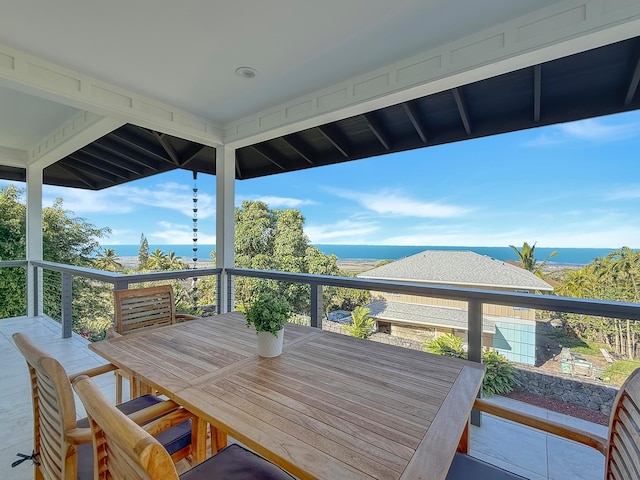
[225, 219]
[34, 239]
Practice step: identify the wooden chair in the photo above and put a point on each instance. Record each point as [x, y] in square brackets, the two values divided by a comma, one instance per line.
[142, 308]
[62, 445]
[124, 451]
[621, 449]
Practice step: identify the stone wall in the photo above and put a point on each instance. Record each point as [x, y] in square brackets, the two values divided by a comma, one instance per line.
[581, 392]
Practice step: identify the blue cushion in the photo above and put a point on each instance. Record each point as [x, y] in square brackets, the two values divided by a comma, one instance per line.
[235, 462]
[465, 467]
[173, 439]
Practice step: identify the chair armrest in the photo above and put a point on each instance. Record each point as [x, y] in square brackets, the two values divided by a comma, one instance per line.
[170, 414]
[163, 408]
[92, 372]
[570, 433]
[167, 421]
[78, 436]
[112, 333]
[185, 316]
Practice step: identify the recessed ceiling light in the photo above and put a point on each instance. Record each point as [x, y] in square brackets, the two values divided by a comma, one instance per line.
[246, 72]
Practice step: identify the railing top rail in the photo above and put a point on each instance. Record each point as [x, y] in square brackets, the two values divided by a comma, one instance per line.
[13, 263]
[529, 300]
[113, 277]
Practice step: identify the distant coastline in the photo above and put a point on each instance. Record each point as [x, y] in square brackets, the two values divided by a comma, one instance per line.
[572, 257]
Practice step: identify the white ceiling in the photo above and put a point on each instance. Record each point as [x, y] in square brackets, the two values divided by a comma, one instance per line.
[185, 53]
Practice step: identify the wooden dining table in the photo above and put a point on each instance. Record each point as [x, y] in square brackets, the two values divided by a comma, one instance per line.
[330, 406]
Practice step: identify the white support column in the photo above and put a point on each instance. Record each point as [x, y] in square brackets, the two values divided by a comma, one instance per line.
[225, 218]
[34, 239]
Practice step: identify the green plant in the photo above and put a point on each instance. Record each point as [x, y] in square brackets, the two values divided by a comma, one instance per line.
[361, 324]
[500, 376]
[446, 344]
[268, 313]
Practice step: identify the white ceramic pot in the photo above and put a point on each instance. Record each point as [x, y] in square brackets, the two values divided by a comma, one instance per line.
[270, 345]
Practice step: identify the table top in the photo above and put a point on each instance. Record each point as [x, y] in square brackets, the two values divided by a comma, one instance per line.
[331, 406]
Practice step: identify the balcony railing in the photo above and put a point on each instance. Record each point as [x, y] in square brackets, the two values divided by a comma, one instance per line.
[475, 298]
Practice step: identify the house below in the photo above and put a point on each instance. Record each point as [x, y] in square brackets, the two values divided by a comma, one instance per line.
[509, 330]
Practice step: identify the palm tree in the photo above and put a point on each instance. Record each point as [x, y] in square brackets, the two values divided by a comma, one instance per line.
[157, 260]
[106, 260]
[361, 324]
[174, 263]
[528, 260]
[625, 263]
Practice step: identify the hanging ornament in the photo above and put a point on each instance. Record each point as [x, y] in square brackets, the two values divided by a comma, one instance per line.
[194, 280]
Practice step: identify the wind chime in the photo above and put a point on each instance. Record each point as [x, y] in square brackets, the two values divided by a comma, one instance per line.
[194, 280]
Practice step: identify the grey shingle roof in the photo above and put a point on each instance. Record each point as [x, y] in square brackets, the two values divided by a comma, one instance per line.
[428, 315]
[461, 268]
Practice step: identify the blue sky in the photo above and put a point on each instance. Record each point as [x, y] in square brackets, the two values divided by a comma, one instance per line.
[570, 185]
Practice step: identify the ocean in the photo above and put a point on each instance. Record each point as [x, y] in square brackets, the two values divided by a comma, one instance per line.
[566, 256]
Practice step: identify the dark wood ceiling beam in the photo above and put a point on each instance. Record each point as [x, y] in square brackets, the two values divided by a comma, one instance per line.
[99, 166]
[268, 154]
[137, 145]
[633, 83]
[111, 160]
[78, 175]
[462, 109]
[299, 147]
[336, 139]
[376, 128]
[188, 158]
[537, 91]
[412, 113]
[92, 169]
[164, 143]
[238, 170]
[112, 148]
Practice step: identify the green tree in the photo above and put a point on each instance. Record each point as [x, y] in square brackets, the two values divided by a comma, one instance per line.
[157, 260]
[174, 263]
[268, 239]
[527, 258]
[143, 253]
[12, 247]
[107, 260]
[361, 323]
[66, 239]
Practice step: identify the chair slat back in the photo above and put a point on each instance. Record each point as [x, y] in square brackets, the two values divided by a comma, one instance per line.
[54, 412]
[623, 452]
[144, 307]
[123, 450]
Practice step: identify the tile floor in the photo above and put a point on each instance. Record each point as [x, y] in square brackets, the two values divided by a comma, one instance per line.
[532, 454]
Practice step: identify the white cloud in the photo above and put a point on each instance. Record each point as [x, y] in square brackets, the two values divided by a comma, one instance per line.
[346, 232]
[171, 233]
[630, 192]
[590, 130]
[276, 202]
[124, 199]
[389, 202]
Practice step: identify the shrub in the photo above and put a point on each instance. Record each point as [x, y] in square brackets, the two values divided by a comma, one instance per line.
[361, 324]
[446, 344]
[500, 377]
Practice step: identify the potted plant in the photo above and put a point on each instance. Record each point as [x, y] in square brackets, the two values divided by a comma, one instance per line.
[268, 313]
